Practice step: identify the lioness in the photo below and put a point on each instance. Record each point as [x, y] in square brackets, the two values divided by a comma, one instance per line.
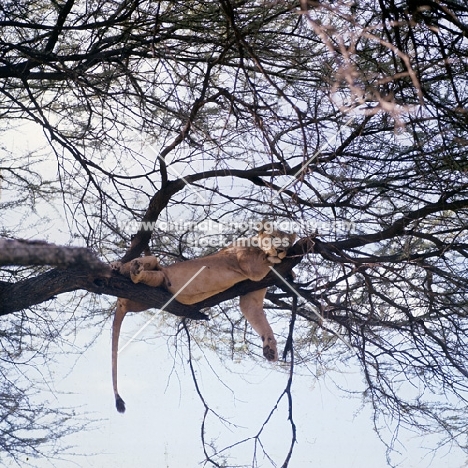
[195, 280]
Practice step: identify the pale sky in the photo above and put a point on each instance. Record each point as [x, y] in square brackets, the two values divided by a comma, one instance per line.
[161, 427]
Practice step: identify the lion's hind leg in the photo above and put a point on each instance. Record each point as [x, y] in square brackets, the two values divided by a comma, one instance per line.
[146, 270]
[147, 262]
[119, 267]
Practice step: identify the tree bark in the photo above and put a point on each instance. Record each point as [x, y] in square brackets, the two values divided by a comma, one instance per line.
[24, 252]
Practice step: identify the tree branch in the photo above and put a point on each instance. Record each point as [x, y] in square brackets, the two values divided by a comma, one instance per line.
[23, 294]
[23, 252]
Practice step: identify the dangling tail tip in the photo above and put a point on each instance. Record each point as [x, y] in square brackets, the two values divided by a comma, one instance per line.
[119, 404]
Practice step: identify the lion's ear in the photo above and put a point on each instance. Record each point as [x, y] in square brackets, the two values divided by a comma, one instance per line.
[266, 226]
[262, 226]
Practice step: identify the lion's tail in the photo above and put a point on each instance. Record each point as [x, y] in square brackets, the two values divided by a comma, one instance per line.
[119, 404]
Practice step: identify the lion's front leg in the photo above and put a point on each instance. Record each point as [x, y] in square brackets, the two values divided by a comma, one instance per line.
[251, 306]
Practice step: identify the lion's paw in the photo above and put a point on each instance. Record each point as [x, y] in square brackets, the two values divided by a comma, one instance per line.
[269, 349]
[274, 259]
[136, 270]
[270, 353]
[115, 266]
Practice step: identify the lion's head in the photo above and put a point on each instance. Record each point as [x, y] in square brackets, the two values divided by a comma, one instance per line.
[274, 243]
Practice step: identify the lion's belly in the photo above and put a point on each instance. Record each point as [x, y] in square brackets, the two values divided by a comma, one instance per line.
[198, 279]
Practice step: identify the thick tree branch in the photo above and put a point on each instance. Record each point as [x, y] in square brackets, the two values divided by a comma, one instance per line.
[32, 291]
[36, 290]
[24, 252]
[157, 204]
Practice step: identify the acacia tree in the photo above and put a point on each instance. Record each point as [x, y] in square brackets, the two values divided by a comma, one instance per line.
[345, 122]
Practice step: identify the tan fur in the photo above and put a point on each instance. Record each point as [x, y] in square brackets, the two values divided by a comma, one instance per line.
[207, 276]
